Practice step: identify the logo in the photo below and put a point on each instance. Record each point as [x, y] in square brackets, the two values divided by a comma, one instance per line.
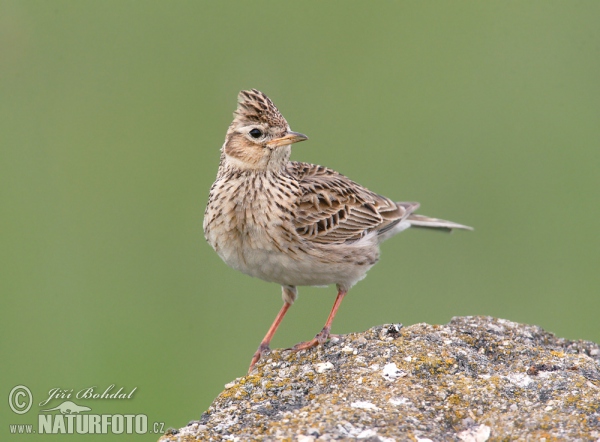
[20, 399]
[70, 417]
[69, 407]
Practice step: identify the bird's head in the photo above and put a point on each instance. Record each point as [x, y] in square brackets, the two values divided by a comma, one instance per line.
[259, 138]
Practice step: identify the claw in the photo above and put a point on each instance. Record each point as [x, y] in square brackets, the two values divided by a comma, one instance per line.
[320, 339]
[263, 348]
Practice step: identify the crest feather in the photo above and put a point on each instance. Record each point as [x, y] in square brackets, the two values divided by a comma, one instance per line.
[256, 107]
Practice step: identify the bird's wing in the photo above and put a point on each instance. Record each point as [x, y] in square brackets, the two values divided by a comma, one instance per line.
[332, 209]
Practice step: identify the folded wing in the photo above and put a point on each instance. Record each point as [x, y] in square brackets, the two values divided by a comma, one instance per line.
[334, 209]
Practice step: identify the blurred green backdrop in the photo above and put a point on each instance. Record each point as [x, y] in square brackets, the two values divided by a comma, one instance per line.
[112, 114]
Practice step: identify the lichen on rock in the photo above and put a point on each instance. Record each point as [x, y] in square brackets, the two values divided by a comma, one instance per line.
[473, 379]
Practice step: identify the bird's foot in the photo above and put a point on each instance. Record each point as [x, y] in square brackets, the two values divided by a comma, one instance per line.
[319, 339]
[262, 349]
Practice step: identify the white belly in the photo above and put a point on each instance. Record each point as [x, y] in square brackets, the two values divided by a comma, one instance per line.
[261, 258]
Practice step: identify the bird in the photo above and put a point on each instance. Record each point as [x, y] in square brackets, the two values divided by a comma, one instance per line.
[295, 223]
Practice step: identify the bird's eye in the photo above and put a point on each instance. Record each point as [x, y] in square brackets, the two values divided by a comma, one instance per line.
[256, 133]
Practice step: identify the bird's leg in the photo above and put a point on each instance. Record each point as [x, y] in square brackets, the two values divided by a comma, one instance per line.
[264, 344]
[323, 335]
[289, 295]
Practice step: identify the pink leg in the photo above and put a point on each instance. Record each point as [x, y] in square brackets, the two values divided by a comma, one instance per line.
[264, 345]
[323, 335]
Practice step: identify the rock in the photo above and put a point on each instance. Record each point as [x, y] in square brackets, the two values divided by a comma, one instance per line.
[474, 379]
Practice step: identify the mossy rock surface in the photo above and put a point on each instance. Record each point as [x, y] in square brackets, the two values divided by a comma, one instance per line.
[473, 379]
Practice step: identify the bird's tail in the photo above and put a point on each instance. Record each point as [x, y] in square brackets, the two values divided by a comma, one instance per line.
[434, 223]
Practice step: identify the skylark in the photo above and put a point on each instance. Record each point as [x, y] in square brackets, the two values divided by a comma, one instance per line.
[295, 223]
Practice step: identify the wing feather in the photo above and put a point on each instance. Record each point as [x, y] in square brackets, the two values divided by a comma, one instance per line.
[333, 209]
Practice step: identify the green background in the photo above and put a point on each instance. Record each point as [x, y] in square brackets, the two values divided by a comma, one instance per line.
[112, 114]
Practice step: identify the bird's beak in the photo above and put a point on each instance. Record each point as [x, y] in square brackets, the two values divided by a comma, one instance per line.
[289, 138]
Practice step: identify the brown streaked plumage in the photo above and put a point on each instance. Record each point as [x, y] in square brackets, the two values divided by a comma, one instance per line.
[295, 223]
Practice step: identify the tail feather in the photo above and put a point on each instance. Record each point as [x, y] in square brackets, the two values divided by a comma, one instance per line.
[434, 223]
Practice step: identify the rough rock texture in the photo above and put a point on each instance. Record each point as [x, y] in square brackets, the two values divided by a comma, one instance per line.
[474, 379]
